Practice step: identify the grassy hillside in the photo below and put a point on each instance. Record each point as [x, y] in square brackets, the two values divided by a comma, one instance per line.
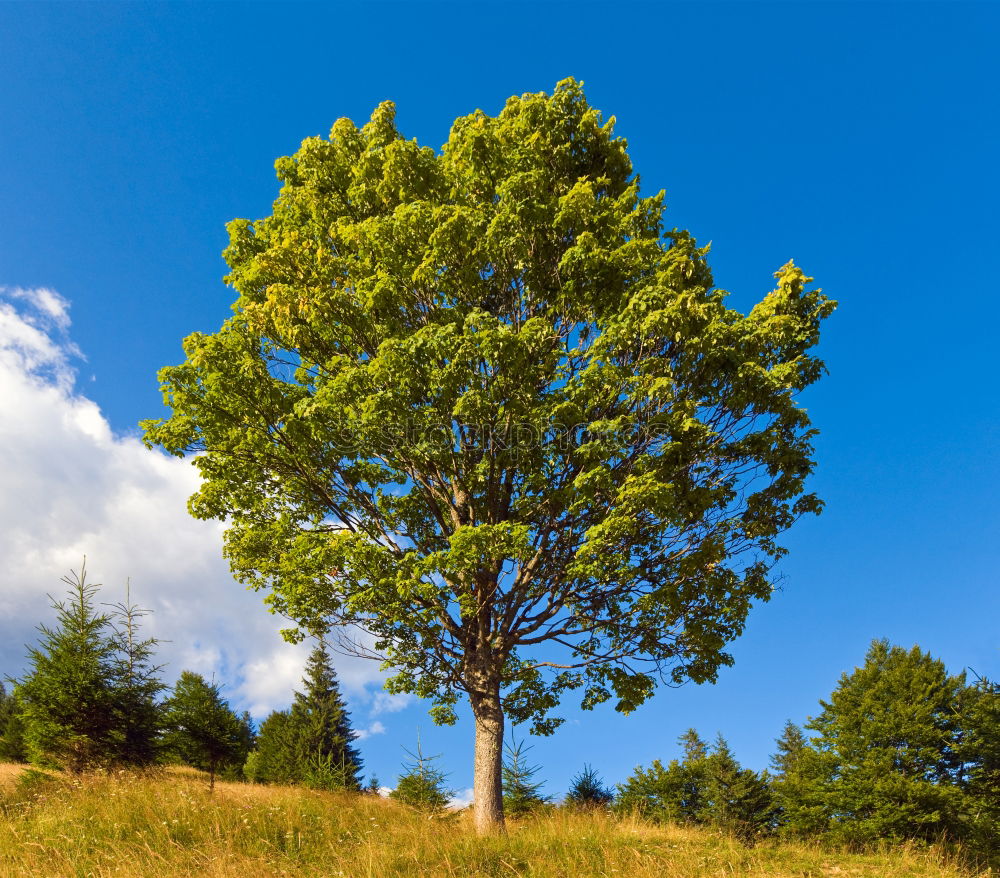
[169, 825]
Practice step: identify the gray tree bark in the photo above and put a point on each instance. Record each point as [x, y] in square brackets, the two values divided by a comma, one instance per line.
[487, 785]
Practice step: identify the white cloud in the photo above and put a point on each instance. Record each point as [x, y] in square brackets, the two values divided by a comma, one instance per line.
[376, 728]
[383, 702]
[47, 305]
[69, 487]
[461, 800]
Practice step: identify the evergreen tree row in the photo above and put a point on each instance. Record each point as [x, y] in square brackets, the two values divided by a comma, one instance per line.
[902, 751]
[707, 787]
[92, 697]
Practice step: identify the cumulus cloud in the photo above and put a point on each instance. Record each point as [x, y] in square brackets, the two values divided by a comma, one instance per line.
[376, 728]
[70, 487]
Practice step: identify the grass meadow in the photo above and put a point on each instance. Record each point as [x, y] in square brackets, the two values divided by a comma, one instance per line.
[168, 824]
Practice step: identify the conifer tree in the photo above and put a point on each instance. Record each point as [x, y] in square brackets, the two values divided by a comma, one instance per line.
[136, 684]
[275, 759]
[979, 750]
[68, 697]
[322, 728]
[202, 728]
[675, 793]
[588, 790]
[423, 785]
[736, 800]
[706, 787]
[521, 795]
[12, 746]
[889, 736]
[796, 771]
[310, 742]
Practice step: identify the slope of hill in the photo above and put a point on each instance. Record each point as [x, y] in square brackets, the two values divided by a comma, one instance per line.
[167, 824]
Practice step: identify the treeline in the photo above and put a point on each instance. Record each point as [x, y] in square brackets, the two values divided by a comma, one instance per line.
[901, 751]
[92, 697]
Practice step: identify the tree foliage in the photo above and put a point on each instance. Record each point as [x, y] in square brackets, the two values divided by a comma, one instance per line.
[737, 800]
[979, 751]
[797, 770]
[275, 758]
[422, 785]
[521, 792]
[89, 696]
[484, 406]
[887, 738]
[706, 787]
[12, 744]
[311, 742]
[588, 790]
[136, 725]
[67, 698]
[202, 729]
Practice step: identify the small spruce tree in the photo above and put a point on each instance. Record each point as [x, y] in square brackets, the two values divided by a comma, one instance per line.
[521, 795]
[736, 800]
[276, 758]
[422, 785]
[587, 790]
[136, 684]
[796, 770]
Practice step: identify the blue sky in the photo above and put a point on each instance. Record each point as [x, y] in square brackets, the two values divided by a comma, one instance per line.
[860, 139]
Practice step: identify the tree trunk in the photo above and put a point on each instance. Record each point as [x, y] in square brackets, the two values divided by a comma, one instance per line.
[487, 784]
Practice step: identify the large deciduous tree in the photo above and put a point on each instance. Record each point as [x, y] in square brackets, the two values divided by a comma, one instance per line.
[482, 405]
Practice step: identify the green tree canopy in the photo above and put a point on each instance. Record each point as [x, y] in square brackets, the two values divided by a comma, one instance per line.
[201, 727]
[888, 744]
[483, 405]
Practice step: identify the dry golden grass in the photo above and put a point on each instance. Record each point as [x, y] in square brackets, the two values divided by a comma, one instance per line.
[9, 774]
[168, 824]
